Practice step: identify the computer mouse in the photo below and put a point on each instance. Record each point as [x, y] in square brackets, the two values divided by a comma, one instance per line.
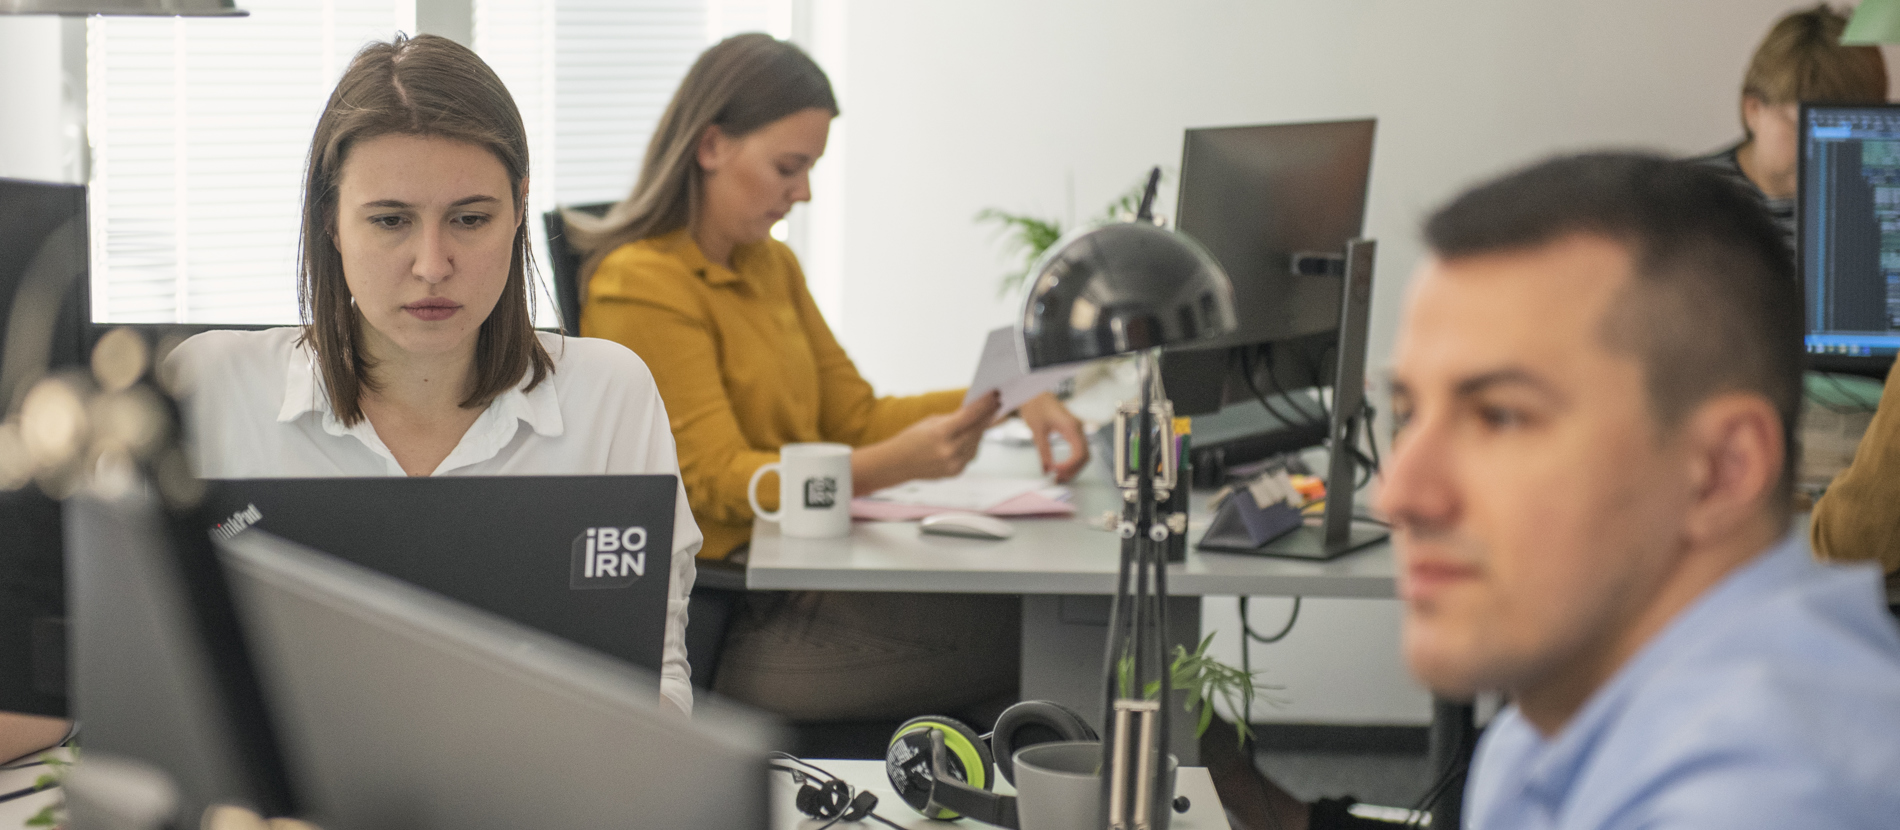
[972, 525]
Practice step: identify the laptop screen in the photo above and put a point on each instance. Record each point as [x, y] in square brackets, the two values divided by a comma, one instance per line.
[585, 558]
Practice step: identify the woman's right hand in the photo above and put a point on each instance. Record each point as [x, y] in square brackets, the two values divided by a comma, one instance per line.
[936, 447]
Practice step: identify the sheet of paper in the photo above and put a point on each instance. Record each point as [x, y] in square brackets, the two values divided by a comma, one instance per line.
[999, 369]
[962, 493]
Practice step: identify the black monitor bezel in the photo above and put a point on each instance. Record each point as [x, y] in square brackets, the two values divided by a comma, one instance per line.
[1873, 366]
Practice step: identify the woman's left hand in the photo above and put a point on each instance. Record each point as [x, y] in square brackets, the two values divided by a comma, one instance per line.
[1046, 416]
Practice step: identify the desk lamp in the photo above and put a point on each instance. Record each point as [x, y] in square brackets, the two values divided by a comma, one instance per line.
[1132, 288]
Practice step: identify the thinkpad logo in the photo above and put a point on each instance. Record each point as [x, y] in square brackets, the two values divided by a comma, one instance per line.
[821, 491]
[608, 557]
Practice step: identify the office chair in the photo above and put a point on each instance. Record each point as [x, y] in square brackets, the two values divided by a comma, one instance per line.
[721, 585]
[566, 263]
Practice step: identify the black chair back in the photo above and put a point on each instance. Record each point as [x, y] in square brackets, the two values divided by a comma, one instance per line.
[566, 263]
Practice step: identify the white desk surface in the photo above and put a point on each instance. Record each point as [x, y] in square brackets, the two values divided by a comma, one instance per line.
[1046, 556]
[13, 814]
[1204, 811]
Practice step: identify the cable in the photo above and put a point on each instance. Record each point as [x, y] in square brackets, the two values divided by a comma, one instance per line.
[826, 776]
[19, 794]
[1246, 371]
[1255, 636]
[1274, 378]
[1455, 769]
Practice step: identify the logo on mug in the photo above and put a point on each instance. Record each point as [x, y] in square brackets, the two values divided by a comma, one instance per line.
[608, 557]
[821, 491]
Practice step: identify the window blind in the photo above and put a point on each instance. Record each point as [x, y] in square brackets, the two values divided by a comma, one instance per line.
[199, 130]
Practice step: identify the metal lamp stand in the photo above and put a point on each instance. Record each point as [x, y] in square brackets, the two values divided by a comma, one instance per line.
[1137, 682]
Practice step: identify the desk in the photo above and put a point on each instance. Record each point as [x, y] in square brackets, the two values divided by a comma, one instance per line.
[1204, 812]
[13, 814]
[1065, 570]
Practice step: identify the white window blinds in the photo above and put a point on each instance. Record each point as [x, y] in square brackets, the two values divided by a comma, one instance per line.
[593, 76]
[199, 129]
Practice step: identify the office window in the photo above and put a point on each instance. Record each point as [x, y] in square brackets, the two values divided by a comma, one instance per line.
[199, 129]
[592, 77]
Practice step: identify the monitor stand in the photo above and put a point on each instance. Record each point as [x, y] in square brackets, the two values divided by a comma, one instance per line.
[1336, 533]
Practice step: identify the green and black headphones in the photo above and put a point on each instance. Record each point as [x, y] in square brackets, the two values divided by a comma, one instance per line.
[971, 761]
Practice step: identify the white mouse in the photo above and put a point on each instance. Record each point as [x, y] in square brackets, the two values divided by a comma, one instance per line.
[972, 525]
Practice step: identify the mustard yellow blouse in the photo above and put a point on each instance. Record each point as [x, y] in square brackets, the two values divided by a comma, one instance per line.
[745, 364]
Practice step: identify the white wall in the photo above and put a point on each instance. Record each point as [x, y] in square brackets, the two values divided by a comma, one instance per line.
[32, 143]
[954, 107]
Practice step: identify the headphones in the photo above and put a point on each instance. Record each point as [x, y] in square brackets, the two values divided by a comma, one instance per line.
[944, 769]
[825, 796]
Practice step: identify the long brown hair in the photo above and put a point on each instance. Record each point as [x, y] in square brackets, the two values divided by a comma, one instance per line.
[740, 84]
[426, 86]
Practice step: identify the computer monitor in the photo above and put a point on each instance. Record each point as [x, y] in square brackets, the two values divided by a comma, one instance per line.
[161, 670]
[42, 233]
[318, 688]
[1848, 235]
[1275, 204]
[401, 708]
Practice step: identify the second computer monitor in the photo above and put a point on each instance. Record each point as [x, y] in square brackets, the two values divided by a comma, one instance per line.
[1848, 236]
[1275, 204]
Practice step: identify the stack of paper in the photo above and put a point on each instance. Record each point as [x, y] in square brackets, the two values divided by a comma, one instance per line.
[974, 494]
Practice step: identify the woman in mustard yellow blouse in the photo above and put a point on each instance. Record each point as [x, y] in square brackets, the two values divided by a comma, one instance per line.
[685, 272]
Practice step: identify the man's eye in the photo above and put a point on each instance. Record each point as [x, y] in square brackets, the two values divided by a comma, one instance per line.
[1400, 418]
[1502, 417]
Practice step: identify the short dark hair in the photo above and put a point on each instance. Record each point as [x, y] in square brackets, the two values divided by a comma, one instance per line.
[1714, 305]
[428, 86]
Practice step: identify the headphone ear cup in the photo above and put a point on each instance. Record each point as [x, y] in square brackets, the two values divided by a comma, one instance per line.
[907, 760]
[1034, 722]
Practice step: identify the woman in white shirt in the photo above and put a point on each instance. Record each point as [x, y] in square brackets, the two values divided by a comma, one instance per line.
[418, 356]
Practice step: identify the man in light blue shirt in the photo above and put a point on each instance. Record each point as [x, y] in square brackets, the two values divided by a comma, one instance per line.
[1595, 385]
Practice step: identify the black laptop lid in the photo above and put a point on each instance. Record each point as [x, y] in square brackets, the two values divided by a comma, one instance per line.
[586, 558]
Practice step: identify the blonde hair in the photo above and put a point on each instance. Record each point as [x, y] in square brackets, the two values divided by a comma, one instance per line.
[740, 84]
[428, 86]
[1802, 59]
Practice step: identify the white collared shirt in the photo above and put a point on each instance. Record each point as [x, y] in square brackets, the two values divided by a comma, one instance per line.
[255, 408]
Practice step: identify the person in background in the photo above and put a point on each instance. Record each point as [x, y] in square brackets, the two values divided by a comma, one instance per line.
[685, 272]
[418, 356]
[1858, 516]
[1595, 386]
[1801, 59]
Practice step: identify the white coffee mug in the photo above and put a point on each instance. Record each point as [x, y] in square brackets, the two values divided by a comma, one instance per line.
[814, 490]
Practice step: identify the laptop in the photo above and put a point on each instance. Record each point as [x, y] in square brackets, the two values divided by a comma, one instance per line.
[585, 558]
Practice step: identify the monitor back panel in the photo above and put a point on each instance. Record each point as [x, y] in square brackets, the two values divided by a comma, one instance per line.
[403, 709]
[1255, 196]
[585, 558]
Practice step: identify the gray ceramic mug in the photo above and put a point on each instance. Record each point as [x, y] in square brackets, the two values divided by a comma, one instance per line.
[1059, 786]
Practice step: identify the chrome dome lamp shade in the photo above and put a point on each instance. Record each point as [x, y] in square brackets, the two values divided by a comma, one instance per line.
[1122, 288]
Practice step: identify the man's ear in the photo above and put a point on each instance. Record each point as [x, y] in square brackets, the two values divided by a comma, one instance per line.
[712, 148]
[1736, 454]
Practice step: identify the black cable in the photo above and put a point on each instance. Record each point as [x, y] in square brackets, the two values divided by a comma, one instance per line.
[1455, 769]
[1246, 371]
[850, 791]
[19, 794]
[1255, 636]
[1274, 378]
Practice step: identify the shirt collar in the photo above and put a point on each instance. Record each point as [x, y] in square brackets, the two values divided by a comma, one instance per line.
[539, 408]
[680, 243]
[1557, 763]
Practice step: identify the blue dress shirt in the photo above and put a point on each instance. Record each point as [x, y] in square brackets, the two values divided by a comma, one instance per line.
[1773, 701]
